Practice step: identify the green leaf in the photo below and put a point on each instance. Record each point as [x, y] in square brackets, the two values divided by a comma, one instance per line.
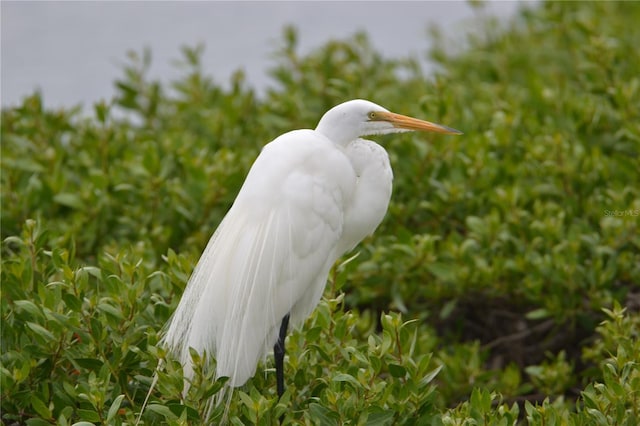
[378, 417]
[41, 331]
[476, 225]
[430, 376]
[91, 364]
[322, 416]
[68, 199]
[111, 310]
[27, 165]
[397, 370]
[443, 271]
[115, 406]
[246, 399]
[88, 415]
[40, 407]
[313, 334]
[72, 302]
[92, 270]
[346, 378]
[599, 417]
[538, 314]
[30, 307]
[40, 422]
[162, 410]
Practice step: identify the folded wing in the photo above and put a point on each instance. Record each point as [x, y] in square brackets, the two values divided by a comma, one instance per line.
[270, 256]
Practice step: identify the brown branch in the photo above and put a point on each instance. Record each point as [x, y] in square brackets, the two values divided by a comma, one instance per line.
[519, 335]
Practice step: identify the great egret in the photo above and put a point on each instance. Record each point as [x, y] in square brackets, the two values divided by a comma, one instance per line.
[310, 196]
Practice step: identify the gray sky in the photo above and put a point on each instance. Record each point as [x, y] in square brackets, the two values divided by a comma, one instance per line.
[72, 51]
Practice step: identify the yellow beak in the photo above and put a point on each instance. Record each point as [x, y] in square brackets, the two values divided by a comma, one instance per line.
[410, 123]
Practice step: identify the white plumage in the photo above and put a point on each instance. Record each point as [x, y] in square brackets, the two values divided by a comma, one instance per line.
[310, 196]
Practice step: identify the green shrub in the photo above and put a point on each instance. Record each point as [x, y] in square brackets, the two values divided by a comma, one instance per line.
[501, 288]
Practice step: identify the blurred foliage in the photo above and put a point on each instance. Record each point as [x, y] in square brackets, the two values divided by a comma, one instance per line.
[503, 286]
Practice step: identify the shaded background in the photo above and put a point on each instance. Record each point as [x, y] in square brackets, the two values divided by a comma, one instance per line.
[72, 51]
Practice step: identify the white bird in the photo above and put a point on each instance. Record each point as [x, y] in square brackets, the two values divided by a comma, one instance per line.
[310, 197]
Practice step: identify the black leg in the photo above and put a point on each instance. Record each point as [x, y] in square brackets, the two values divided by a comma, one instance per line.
[278, 353]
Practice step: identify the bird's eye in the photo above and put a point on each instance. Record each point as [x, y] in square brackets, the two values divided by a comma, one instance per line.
[372, 115]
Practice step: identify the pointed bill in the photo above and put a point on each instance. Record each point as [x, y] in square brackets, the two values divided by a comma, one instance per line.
[410, 123]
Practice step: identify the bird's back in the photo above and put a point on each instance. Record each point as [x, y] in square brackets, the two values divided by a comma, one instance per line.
[270, 255]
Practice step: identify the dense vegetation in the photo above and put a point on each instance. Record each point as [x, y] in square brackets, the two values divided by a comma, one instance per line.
[503, 286]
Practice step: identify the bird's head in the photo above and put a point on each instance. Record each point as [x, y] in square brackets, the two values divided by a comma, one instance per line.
[353, 119]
